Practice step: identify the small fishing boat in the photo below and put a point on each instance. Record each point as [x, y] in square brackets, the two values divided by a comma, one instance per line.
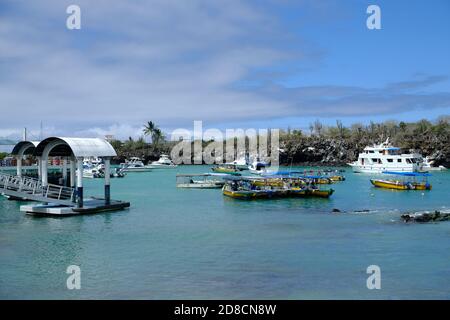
[320, 193]
[337, 178]
[200, 181]
[134, 165]
[404, 181]
[250, 188]
[163, 162]
[318, 179]
[226, 168]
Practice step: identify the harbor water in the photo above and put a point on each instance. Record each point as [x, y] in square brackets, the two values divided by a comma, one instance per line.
[197, 244]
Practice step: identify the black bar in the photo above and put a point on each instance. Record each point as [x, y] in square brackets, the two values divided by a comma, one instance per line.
[107, 194]
[80, 197]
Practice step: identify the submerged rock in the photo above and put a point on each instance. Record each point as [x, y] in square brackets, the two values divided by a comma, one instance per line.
[426, 216]
[335, 210]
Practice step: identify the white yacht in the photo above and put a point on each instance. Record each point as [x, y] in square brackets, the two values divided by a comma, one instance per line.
[134, 165]
[164, 162]
[385, 157]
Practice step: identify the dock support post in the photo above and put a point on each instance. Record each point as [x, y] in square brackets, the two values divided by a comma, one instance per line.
[39, 167]
[44, 173]
[80, 182]
[73, 168]
[64, 172]
[107, 181]
[19, 165]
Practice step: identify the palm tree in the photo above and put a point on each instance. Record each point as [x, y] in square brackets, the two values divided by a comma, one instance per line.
[149, 128]
[157, 136]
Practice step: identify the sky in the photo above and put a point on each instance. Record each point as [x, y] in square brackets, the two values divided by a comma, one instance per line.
[230, 64]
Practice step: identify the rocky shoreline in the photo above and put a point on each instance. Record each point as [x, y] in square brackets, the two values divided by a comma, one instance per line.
[329, 145]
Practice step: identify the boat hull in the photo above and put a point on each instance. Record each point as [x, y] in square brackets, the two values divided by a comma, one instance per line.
[357, 168]
[143, 169]
[319, 193]
[269, 194]
[216, 185]
[400, 185]
[162, 166]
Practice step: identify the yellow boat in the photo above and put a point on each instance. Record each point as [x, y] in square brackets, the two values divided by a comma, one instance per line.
[320, 193]
[252, 194]
[337, 178]
[400, 185]
[231, 169]
[408, 182]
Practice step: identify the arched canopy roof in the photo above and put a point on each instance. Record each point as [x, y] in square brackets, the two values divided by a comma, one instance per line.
[26, 147]
[77, 147]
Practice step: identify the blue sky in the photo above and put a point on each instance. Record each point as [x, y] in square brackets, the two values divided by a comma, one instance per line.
[229, 63]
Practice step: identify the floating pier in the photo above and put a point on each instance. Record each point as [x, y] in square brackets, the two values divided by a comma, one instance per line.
[56, 199]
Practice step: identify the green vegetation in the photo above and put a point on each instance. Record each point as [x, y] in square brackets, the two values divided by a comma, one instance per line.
[3, 155]
[327, 145]
[339, 144]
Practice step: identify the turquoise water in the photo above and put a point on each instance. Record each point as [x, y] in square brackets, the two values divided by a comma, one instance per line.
[195, 244]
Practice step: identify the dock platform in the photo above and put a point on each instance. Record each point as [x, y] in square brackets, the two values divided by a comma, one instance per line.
[91, 206]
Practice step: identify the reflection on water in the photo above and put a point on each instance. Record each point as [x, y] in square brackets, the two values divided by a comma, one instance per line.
[175, 243]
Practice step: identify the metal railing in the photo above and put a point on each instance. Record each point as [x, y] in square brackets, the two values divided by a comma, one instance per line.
[33, 187]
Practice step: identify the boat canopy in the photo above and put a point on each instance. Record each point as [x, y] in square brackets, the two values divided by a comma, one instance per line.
[409, 174]
[282, 173]
[204, 175]
[315, 177]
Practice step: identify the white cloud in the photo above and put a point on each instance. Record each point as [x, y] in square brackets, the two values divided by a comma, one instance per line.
[168, 61]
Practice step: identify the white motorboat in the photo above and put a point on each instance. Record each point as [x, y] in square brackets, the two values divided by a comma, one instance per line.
[134, 165]
[201, 181]
[92, 173]
[385, 157]
[428, 165]
[99, 172]
[90, 162]
[241, 163]
[258, 167]
[164, 162]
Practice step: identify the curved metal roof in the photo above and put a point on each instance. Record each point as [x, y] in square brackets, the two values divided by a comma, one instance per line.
[78, 147]
[28, 146]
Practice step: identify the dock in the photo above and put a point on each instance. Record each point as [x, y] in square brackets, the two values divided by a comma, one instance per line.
[55, 199]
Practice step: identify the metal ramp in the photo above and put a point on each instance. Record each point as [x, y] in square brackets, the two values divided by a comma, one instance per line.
[32, 189]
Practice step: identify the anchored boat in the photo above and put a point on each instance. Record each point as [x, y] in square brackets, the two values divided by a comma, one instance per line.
[163, 162]
[200, 181]
[404, 181]
[135, 165]
[385, 157]
[226, 168]
[249, 188]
